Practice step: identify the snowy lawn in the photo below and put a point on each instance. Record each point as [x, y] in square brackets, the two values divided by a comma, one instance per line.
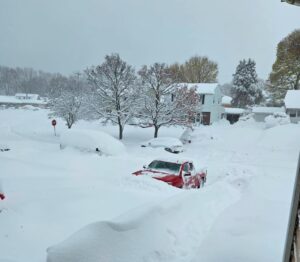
[241, 214]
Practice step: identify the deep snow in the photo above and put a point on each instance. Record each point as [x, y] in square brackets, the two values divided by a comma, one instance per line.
[241, 215]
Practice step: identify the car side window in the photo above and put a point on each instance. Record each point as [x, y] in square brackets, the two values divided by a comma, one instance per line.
[186, 167]
[191, 166]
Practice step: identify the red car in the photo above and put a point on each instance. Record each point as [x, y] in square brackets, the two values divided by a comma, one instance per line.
[181, 174]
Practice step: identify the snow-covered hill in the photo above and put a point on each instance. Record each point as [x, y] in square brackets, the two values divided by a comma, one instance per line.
[89, 208]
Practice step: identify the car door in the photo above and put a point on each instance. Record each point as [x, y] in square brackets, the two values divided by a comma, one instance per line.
[187, 175]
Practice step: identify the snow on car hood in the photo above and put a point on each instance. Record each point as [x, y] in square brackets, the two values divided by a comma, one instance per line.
[159, 173]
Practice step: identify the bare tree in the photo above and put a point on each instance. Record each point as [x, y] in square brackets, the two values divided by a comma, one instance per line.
[114, 92]
[68, 103]
[164, 103]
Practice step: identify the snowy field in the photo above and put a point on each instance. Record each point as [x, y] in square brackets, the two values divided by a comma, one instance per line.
[240, 215]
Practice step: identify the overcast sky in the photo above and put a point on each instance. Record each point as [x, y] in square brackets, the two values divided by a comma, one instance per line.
[69, 35]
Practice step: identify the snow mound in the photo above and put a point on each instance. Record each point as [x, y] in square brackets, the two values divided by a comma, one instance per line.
[174, 144]
[168, 232]
[277, 119]
[187, 136]
[93, 141]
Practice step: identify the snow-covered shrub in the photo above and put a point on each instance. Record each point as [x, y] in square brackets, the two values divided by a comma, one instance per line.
[277, 119]
[186, 136]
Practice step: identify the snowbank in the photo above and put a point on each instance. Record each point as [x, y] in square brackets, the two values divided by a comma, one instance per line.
[277, 119]
[94, 141]
[153, 233]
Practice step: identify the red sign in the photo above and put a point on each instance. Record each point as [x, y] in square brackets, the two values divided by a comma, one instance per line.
[53, 122]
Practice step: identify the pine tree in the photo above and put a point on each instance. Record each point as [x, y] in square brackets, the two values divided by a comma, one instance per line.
[246, 88]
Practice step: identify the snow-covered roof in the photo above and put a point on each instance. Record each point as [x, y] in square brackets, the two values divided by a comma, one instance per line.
[15, 100]
[202, 88]
[234, 111]
[226, 100]
[264, 109]
[28, 96]
[292, 99]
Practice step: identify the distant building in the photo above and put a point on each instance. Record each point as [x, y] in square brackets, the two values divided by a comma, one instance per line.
[292, 105]
[210, 98]
[22, 96]
[261, 112]
[20, 100]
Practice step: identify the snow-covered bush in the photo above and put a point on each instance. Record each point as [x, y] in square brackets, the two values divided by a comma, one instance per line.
[186, 136]
[91, 141]
[277, 119]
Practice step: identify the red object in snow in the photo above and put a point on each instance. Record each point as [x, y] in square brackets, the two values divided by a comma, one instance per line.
[181, 174]
[53, 122]
[2, 196]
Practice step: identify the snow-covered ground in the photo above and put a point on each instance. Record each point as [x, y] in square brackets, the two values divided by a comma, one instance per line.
[88, 207]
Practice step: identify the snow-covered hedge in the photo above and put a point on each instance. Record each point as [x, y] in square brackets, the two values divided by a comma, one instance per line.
[94, 141]
[277, 119]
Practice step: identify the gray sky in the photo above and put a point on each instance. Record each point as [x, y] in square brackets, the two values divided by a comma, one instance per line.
[69, 35]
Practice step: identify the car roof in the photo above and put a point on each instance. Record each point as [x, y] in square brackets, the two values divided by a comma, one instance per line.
[173, 160]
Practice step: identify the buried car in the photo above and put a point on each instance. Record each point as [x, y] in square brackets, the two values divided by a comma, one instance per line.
[170, 144]
[178, 173]
[91, 141]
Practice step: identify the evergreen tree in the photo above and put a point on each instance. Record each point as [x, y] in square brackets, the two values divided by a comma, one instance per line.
[246, 88]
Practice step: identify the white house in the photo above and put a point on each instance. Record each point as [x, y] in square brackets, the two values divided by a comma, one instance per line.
[210, 96]
[292, 105]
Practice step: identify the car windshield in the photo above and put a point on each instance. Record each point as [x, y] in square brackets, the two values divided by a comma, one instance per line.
[165, 165]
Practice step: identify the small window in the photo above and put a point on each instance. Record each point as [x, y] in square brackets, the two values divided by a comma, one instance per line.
[203, 99]
[186, 167]
[292, 113]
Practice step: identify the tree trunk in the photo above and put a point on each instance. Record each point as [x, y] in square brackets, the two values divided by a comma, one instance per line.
[156, 131]
[121, 128]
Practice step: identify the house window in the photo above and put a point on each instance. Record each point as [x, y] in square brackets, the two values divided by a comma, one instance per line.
[293, 113]
[191, 166]
[203, 99]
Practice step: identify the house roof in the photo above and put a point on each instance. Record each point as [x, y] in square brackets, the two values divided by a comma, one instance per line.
[226, 100]
[29, 96]
[264, 109]
[202, 88]
[14, 100]
[234, 111]
[292, 99]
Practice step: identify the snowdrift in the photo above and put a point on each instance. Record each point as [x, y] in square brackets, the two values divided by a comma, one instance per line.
[152, 233]
[93, 141]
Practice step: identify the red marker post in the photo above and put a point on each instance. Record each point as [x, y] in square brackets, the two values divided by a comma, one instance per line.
[54, 124]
